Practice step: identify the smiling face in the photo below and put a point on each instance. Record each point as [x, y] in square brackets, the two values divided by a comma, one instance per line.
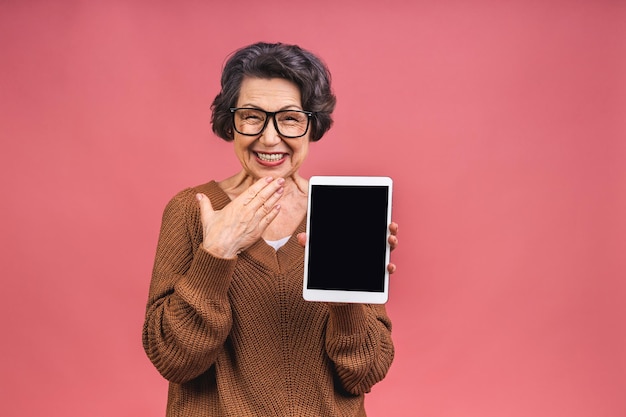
[269, 154]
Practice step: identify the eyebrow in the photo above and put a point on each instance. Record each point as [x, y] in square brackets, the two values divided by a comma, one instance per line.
[288, 107]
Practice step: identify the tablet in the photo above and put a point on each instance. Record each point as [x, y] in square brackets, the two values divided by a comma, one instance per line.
[347, 252]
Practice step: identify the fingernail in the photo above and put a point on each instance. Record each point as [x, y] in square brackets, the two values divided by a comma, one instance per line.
[198, 196]
[269, 179]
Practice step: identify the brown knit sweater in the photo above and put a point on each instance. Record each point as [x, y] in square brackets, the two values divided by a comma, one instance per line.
[234, 337]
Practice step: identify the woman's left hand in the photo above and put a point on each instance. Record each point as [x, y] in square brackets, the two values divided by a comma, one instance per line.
[392, 240]
[393, 243]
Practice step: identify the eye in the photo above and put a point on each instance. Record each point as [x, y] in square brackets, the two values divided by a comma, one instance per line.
[292, 117]
[251, 116]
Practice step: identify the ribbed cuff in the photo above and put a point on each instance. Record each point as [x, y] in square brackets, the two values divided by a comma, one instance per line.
[209, 275]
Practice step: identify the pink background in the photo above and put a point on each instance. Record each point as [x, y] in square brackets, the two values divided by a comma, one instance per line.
[503, 125]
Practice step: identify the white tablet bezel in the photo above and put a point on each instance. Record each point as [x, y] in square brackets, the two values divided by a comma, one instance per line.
[348, 296]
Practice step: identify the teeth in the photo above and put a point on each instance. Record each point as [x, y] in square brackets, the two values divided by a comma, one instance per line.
[270, 157]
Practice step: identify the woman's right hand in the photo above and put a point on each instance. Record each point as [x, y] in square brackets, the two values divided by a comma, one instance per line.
[233, 229]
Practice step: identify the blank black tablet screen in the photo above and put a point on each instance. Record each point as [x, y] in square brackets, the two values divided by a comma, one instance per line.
[348, 237]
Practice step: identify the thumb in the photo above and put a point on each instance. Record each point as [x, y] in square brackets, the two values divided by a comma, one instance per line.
[302, 239]
[206, 209]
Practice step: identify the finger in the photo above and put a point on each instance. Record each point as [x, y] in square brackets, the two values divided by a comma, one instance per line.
[393, 242]
[254, 190]
[391, 268]
[269, 216]
[393, 239]
[267, 204]
[302, 239]
[269, 195]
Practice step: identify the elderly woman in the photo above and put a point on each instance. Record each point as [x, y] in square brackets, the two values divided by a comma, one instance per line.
[225, 322]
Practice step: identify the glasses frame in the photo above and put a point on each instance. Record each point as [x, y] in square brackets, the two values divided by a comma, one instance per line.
[272, 114]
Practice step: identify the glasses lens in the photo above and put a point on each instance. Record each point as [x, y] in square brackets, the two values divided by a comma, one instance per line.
[249, 121]
[292, 123]
[289, 123]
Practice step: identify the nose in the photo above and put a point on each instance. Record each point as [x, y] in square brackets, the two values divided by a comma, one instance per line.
[270, 136]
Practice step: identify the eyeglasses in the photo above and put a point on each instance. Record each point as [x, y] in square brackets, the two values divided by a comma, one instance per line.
[288, 123]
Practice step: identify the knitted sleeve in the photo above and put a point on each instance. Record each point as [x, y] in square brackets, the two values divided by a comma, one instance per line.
[358, 341]
[188, 315]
